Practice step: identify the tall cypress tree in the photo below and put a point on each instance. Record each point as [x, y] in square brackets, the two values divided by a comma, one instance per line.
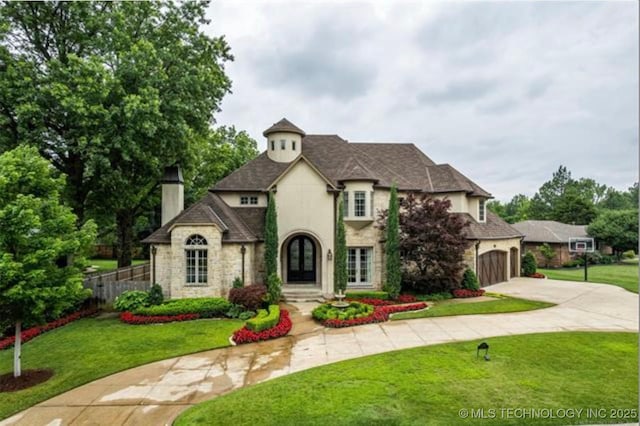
[271, 238]
[392, 247]
[340, 257]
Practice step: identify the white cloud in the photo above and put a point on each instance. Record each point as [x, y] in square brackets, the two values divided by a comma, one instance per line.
[503, 91]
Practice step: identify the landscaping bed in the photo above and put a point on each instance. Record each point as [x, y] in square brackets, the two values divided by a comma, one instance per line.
[251, 333]
[178, 310]
[359, 313]
[32, 332]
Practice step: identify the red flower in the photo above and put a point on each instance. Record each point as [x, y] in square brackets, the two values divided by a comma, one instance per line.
[244, 335]
[462, 293]
[32, 332]
[536, 275]
[380, 314]
[130, 318]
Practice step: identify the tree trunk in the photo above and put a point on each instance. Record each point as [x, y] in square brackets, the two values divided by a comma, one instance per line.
[17, 351]
[76, 188]
[124, 224]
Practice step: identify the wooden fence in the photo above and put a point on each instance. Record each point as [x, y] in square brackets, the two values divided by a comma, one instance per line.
[106, 286]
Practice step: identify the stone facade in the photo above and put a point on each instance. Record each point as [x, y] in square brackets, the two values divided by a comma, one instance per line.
[562, 254]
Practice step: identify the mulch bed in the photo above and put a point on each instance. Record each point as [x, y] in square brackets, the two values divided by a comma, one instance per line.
[29, 378]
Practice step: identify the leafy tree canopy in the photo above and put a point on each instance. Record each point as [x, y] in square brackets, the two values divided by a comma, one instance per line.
[616, 228]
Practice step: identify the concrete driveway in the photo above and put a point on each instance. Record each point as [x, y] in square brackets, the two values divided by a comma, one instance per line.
[154, 394]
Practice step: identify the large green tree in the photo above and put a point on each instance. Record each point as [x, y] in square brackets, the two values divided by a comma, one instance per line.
[110, 93]
[392, 246]
[516, 210]
[41, 248]
[616, 228]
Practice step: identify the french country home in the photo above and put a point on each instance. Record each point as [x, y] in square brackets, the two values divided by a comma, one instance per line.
[200, 250]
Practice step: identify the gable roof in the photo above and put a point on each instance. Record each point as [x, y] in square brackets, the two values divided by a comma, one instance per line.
[340, 161]
[241, 224]
[493, 228]
[549, 231]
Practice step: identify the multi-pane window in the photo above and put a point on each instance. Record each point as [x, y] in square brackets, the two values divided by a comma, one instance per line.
[481, 211]
[293, 145]
[283, 144]
[246, 200]
[359, 266]
[196, 255]
[359, 205]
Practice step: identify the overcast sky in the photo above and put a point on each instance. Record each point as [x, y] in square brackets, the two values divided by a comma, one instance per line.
[505, 91]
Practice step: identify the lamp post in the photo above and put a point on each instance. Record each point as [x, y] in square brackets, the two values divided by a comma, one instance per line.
[154, 250]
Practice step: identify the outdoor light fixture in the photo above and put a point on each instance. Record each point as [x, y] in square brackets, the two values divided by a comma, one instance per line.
[483, 346]
[329, 255]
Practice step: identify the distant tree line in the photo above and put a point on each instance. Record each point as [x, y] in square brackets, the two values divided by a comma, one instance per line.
[612, 215]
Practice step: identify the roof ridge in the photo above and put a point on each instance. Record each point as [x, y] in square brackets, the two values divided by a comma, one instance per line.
[215, 215]
[379, 164]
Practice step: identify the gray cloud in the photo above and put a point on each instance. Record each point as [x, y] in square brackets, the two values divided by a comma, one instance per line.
[458, 91]
[504, 91]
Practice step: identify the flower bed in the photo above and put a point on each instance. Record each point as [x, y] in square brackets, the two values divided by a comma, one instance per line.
[380, 314]
[244, 335]
[536, 275]
[32, 332]
[403, 298]
[131, 318]
[462, 293]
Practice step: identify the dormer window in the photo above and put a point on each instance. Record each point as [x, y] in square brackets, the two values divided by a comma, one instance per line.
[359, 205]
[246, 200]
[293, 145]
[273, 145]
[253, 200]
[283, 144]
[482, 214]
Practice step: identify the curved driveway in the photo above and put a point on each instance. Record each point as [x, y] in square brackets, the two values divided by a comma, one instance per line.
[154, 394]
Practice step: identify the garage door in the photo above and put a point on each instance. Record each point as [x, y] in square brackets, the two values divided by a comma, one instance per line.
[493, 267]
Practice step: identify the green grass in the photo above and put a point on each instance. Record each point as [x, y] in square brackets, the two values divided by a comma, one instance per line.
[92, 348]
[450, 307]
[104, 265]
[623, 275]
[430, 385]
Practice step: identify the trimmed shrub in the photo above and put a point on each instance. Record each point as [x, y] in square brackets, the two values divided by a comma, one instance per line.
[382, 295]
[246, 315]
[252, 297]
[131, 300]
[469, 280]
[155, 295]
[571, 264]
[529, 265]
[205, 307]
[274, 288]
[354, 310]
[237, 282]
[244, 335]
[235, 311]
[629, 254]
[434, 297]
[265, 319]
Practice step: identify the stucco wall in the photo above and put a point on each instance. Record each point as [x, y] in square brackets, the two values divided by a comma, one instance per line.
[284, 155]
[485, 246]
[304, 206]
[233, 198]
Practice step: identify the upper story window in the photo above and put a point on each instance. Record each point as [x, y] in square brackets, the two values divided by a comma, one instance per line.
[273, 145]
[246, 200]
[283, 144]
[360, 204]
[482, 214]
[293, 145]
[196, 258]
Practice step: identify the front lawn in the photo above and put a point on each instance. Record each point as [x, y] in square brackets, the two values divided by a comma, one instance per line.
[92, 348]
[431, 385]
[451, 307]
[105, 265]
[622, 275]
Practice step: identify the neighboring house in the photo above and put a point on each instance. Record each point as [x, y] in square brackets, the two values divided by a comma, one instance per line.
[199, 251]
[556, 234]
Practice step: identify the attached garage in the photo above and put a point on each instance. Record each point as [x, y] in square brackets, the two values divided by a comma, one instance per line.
[492, 267]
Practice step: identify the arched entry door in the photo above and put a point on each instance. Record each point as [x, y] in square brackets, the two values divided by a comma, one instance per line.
[301, 260]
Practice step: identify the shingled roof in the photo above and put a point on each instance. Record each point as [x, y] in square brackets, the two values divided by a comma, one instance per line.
[549, 231]
[283, 125]
[237, 224]
[494, 228]
[340, 161]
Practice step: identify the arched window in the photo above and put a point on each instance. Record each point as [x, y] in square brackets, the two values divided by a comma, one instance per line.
[196, 255]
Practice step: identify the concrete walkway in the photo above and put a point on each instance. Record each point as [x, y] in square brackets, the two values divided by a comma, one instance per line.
[154, 394]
